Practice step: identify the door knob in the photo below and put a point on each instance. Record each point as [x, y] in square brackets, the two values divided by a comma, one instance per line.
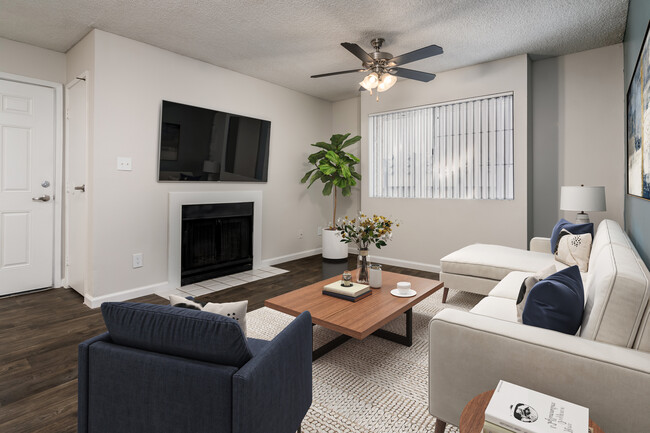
[81, 188]
[44, 197]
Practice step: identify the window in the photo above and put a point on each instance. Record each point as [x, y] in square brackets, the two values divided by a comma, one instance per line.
[460, 150]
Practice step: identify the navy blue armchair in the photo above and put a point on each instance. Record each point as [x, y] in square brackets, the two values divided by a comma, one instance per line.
[165, 369]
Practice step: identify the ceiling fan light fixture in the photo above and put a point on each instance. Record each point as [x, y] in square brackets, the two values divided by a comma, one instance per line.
[370, 82]
[387, 81]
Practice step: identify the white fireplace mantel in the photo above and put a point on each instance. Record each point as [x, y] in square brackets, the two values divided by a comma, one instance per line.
[178, 199]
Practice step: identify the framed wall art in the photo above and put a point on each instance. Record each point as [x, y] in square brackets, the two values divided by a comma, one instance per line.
[638, 125]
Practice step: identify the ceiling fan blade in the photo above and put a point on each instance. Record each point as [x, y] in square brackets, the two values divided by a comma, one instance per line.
[337, 73]
[414, 75]
[357, 51]
[422, 53]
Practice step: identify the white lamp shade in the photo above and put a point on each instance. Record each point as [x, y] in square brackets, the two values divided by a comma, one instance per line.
[583, 198]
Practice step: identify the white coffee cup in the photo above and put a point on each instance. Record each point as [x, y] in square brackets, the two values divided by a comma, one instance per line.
[403, 287]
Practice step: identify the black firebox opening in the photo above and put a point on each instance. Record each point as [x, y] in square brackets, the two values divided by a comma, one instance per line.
[217, 240]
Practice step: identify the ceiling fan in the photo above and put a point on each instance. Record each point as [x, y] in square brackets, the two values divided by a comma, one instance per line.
[383, 67]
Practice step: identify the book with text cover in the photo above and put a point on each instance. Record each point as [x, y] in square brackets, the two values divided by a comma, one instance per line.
[348, 298]
[355, 290]
[523, 410]
[488, 427]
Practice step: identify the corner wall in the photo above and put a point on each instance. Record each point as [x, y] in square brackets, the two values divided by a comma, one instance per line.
[637, 210]
[345, 118]
[577, 125]
[432, 228]
[129, 209]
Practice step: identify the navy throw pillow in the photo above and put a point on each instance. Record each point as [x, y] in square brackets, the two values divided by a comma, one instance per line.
[177, 331]
[574, 229]
[556, 302]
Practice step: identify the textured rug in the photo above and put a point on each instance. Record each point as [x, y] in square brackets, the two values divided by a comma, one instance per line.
[373, 385]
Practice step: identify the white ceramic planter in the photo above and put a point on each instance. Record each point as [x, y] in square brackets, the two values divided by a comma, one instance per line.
[333, 248]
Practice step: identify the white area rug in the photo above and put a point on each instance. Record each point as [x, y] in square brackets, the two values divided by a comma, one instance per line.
[373, 385]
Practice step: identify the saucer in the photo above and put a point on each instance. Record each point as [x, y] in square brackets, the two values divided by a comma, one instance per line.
[410, 293]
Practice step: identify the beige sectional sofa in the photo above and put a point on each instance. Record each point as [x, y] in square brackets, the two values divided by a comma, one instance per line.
[478, 268]
[605, 367]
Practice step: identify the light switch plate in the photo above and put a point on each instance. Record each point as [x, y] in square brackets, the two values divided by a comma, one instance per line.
[124, 163]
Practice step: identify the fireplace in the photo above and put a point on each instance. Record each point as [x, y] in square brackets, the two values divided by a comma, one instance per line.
[216, 240]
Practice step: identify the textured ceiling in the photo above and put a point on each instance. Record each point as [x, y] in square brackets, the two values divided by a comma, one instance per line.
[286, 41]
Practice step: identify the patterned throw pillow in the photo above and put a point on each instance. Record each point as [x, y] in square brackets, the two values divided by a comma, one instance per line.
[234, 310]
[576, 229]
[574, 249]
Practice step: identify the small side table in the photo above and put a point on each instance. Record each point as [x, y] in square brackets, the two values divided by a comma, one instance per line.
[473, 416]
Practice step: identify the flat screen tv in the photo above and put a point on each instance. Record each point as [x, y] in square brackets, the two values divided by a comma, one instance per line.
[198, 144]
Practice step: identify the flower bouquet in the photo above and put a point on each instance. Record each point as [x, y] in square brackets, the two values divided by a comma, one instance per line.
[365, 231]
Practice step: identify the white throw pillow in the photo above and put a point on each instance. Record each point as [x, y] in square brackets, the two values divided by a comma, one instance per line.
[574, 250]
[184, 302]
[546, 272]
[524, 291]
[234, 310]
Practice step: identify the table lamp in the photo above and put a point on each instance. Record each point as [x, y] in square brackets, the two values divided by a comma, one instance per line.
[583, 199]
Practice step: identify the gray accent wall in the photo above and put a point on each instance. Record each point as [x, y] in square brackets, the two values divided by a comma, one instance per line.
[637, 210]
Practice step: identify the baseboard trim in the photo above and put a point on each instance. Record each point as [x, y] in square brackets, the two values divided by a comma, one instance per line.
[289, 257]
[125, 295]
[96, 301]
[405, 263]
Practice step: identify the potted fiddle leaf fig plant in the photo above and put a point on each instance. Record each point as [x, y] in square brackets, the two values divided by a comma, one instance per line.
[335, 168]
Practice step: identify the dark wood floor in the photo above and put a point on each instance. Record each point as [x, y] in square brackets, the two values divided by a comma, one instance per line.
[40, 332]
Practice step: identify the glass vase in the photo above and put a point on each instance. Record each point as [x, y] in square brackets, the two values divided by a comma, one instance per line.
[362, 266]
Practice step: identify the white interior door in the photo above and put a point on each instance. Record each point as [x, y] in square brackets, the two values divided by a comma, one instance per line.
[27, 160]
[76, 184]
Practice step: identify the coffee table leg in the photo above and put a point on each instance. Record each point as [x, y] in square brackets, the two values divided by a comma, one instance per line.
[406, 340]
[327, 347]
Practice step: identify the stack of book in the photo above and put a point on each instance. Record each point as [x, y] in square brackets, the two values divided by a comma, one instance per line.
[515, 409]
[350, 293]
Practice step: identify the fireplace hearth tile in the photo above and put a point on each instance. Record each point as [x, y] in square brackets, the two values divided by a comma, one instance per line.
[214, 285]
[274, 270]
[200, 291]
[248, 278]
[222, 283]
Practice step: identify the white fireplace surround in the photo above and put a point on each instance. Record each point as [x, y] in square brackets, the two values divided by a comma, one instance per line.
[179, 199]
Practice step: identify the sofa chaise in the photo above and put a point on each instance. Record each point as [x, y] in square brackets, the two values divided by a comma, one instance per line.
[605, 366]
[478, 268]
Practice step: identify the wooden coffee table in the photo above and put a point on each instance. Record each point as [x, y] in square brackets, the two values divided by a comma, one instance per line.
[357, 319]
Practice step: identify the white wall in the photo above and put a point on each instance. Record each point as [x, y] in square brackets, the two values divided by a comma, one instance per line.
[30, 61]
[578, 124]
[432, 228]
[129, 208]
[80, 59]
[345, 118]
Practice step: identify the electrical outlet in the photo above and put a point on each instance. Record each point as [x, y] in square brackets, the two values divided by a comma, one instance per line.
[138, 260]
[124, 163]
[319, 231]
[301, 234]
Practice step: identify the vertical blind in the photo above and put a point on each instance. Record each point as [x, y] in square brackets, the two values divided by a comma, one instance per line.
[460, 150]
